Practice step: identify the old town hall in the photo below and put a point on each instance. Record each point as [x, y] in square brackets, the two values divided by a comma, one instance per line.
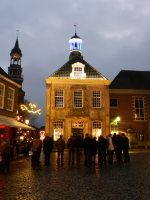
[77, 98]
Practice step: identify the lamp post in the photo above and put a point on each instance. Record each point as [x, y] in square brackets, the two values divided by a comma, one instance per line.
[118, 119]
[27, 121]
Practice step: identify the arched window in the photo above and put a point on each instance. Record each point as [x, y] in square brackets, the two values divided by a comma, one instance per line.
[76, 45]
[11, 72]
[18, 73]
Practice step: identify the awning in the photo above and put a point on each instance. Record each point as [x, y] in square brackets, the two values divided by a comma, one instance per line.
[12, 122]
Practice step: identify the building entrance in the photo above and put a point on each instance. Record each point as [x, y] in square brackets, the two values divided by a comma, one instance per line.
[77, 131]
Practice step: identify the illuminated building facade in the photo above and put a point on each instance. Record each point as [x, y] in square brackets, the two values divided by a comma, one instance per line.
[77, 98]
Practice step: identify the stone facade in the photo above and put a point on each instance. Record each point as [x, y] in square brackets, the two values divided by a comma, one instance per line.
[68, 114]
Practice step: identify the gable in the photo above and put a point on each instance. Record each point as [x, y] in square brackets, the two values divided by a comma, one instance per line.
[66, 70]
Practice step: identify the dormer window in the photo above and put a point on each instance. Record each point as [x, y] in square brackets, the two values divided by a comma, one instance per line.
[78, 70]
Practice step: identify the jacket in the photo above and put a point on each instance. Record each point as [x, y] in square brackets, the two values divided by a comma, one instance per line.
[4, 149]
[48, 145]
[110, 144]
[87, 144]
[60, 144]
[71, 144]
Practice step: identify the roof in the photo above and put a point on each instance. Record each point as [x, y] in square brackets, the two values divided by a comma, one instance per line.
[75, 36]
[66, 69]
[16, 48]
[128, 79]
[12, 122]
[4, 73]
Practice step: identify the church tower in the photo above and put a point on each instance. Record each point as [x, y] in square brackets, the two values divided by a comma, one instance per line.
[15, 71]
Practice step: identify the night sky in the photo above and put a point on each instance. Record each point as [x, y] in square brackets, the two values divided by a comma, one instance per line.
[115, 35]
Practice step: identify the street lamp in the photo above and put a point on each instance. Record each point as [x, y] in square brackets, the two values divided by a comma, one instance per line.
[27, 121]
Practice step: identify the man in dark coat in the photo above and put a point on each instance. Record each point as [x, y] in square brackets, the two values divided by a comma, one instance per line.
[102, 146]
[115, 143]
[94, 149]
[60, 144]
[125, 148]
[71, 147]
[87, 143]
[48, 146]
[79, 146]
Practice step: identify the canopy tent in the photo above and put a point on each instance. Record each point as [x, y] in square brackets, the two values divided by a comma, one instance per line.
[12, 122]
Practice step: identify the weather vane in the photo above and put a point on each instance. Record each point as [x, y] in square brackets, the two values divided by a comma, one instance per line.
[75, 27]
[17, 32]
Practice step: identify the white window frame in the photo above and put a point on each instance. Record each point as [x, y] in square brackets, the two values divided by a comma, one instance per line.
[58, 129]
[10, 99]
[59, 96]
[96, 98]
[137, 110]
[78, 97]
[96, 129]
[2, 96]
[78, 65]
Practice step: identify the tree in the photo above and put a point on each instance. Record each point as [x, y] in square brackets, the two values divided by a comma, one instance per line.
[32, 117]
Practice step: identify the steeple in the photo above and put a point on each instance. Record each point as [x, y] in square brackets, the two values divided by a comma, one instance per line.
[15, 70]
[75, 46]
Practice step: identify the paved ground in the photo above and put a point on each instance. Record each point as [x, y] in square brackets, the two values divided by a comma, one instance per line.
[118, 181]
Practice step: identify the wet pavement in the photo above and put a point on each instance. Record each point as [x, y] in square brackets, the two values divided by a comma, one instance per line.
[114, 182]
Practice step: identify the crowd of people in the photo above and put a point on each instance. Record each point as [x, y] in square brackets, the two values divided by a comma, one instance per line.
[108, 149]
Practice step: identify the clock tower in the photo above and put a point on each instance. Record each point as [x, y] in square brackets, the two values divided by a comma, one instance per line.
[15, 70]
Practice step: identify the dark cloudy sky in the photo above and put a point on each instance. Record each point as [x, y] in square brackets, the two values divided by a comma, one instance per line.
[115, 34]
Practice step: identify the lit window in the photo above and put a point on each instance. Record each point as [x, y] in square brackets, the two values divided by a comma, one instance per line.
[96, 129]
[113, 102]
[114, 129]
[78, 71]
[10, 99]
[77, 99]
[58, 129]
[139, 108]
[59, 98]
[1, 95]
[96, 101]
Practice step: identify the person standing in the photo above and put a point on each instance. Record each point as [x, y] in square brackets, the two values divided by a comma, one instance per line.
[36, 147]
[110, 149]
[71, 147]
[79, 146]
[4, 149]
[102, 146]
[94, 149]
[87, 143]
[48, 146]
[8, 157]
[115, 144]
[125, 148]
[60, 144]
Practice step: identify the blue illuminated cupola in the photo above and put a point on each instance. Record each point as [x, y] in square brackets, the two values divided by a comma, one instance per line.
[75, 46]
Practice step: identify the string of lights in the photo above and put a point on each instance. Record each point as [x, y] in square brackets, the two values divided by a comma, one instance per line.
[30, 110]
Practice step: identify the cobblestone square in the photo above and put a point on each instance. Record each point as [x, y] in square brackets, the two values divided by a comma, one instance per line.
[114, 182]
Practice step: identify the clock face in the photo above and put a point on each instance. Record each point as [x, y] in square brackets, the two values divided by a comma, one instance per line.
[15, 56]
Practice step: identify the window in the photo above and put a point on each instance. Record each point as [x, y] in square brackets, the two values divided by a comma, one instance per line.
[78, 71]
[77, 124]
[1, 95]
[77, 99]
[114, 129]
[59, 98]
[58, 129]
[113, 102]
[139, 108]
[96, 101]
[10, 99]
[96, 129]
[18, 73]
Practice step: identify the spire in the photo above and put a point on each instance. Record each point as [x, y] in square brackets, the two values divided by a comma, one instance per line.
[16, 48]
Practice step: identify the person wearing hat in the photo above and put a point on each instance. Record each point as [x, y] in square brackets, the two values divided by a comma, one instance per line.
[71, 147]
[4, 149]
[48, 146]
